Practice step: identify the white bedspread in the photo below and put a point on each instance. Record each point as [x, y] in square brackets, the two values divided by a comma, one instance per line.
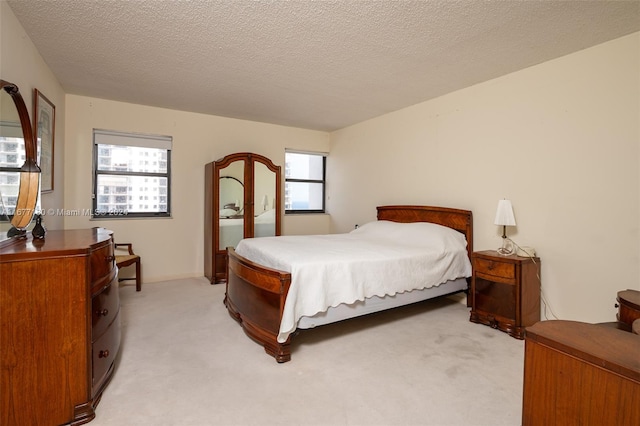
[380, 258]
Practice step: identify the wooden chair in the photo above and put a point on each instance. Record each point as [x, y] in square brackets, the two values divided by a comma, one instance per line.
[128, 258]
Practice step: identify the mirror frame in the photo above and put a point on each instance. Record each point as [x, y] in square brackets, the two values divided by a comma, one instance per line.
[29, 172]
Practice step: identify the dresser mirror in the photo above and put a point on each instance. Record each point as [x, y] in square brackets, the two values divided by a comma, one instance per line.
[242, 200]
[18, 191]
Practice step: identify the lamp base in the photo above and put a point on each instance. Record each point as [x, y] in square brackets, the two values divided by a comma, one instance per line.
[17, 233]
[507, 247]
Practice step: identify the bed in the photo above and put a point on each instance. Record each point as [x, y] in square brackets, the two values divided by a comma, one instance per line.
[348, 275]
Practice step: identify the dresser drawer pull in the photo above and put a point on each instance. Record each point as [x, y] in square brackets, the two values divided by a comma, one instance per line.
[103, 312]
[103, 354]
[110, 259]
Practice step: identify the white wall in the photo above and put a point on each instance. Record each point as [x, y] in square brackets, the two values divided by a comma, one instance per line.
[561, 140]
[172, 248]
[21, 64]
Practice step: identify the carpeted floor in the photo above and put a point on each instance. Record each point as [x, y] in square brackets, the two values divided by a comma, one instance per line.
[184, 361]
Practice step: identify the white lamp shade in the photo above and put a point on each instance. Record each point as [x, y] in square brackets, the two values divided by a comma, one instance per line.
[504, 214]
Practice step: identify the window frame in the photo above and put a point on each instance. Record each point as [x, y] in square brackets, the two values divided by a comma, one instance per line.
[322, 181]
[136, 140]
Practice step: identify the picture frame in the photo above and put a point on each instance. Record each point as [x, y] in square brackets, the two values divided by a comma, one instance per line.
[44, 128]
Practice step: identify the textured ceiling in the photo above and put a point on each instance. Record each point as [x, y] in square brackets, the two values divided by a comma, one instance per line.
[312, 64]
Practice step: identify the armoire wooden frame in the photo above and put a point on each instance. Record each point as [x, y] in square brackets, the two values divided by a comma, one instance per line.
[215, 261]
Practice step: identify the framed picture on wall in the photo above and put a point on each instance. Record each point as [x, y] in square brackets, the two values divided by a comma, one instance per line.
[44, 119]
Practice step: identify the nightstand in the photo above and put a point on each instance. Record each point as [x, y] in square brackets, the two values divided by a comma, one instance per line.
[505, 291]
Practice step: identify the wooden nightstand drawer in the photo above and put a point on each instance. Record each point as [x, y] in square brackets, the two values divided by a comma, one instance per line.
[495, 268]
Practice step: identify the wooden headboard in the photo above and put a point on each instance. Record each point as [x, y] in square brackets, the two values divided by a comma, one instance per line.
[460, 220]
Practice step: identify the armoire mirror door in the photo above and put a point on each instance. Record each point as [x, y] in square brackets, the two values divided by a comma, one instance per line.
[231, 204]
[242, 200]
[264, 201]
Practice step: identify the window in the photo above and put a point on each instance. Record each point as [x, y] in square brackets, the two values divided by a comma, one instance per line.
[304, 182]
[12, 156]
[120, 175]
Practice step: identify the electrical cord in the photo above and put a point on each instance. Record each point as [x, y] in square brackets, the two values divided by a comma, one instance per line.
[547, 306]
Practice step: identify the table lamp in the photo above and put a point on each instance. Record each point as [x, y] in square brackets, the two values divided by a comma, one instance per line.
[504, 218]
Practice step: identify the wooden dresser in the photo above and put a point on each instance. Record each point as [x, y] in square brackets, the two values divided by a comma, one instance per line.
[60, 326]
[580, 374]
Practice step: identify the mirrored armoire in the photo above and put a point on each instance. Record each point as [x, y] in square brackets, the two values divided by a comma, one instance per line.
[242, 200]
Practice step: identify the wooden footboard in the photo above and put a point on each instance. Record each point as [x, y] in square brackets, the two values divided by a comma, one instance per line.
[255, 298]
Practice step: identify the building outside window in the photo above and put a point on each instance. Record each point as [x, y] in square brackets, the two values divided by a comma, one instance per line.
[124, 178]
[12, 157]
[304, 190]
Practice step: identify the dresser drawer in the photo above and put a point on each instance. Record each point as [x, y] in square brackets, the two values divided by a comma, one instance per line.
[104, 307]
[102, 262]
[494, 268]
[104, 351]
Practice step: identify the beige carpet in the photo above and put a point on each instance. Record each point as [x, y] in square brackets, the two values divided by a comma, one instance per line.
[184, 361]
